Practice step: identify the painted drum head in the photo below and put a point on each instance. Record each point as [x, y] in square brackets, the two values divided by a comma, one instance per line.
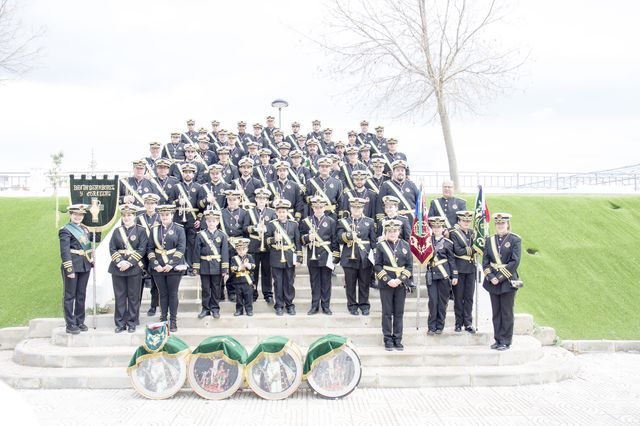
[275, 375]
[214, 376]
[159, 376]
[337, 374]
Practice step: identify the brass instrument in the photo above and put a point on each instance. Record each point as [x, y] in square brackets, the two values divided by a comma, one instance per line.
[313, 249]
[183, 208]
[261, 232]
[283, 259]
[354, 233]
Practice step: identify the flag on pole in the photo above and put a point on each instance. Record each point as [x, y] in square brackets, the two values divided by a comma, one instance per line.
[420, 240]
[481, 220]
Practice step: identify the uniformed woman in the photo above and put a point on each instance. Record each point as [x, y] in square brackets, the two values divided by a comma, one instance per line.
[441, 275]
[166, 249]
[127, 247]
[75, 251]
[500, 264]
[393, 268]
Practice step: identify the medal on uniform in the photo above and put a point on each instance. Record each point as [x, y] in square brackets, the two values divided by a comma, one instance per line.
[507, 244]
[407, 190]
[193, 190]
[218, 239]
[132, 238]
[404, 251]
[169, 186]
[170, 232]
[325, 224]
[455, 206]
[331, 185]
[146, 190]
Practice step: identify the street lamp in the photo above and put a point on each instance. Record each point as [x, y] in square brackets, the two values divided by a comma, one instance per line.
[280, 103]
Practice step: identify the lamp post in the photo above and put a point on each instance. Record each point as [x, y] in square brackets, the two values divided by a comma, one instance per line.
[280, 103]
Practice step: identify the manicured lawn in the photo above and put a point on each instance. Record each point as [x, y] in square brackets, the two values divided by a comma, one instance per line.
[583, 280]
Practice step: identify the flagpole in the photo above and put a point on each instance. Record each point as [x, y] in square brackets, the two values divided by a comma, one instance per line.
[477, 281]
[93, 252]
[418, 297]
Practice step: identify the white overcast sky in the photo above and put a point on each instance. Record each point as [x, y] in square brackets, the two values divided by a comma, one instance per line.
[115, 75]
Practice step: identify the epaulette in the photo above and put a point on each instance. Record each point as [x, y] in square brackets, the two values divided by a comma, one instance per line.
[516, 235]
[446, 239]
[180, 225]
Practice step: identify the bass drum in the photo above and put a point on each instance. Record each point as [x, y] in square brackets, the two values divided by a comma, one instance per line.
[159, 376]
[337, 373]
[275, 368]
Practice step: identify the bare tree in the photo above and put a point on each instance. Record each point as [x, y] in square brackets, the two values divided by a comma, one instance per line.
[56, 179]
[421, 58]
[18, 47]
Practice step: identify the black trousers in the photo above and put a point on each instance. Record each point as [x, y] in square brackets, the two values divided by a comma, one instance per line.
[360, 278]
[283, 286]
[75, 292]
[392, 312]
[211, 289]
[320, 286]
[264, 274]
[126, 290]
[153, 288]
[438, 299]
[190, 232]
[168, 285]
[230, 287]
[502, 307]
[244, 297]
[463, 299]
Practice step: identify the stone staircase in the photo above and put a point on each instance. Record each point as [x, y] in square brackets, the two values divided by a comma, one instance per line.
[43, 355]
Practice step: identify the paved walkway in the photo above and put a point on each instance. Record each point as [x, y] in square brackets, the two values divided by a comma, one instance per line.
[606, 391]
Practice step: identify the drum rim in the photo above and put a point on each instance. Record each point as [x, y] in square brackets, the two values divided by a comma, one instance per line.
[179, 383]
[354, 355]
[214, 395]
[297, 359]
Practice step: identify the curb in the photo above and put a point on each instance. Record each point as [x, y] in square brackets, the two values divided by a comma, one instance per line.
[590, 346]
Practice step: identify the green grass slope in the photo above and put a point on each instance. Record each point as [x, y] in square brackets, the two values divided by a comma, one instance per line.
[583, 280]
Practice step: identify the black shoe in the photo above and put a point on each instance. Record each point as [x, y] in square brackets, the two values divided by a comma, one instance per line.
[249, 313]
[192, 273]
[237, 313]
[120, 329]
[431, 333]
[313, 311]
[458, 329]
[232, 298]
[163, 319]
[279, 312]
[470, 329]
[495, 345]
[365, 312]
[132, 329]
[354, 312]
[83, 327]
[269, 300]
[291, 310]
[173, 327]
[203, 314]
[438, 331]
[73, 329]
[216, 314]
[327, 311]
[388, 346]
[398, 346]
[502, 348]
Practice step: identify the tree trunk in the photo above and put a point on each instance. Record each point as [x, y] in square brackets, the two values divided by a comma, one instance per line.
[448, 139]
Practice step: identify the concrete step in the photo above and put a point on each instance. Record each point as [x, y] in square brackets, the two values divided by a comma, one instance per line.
[41, 353]
[43, 327]
[249, 337]
[338, 304]
[554, 365]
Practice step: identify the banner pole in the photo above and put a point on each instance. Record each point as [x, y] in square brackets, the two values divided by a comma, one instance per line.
[418, 297]
[477, 280]
[93, 252]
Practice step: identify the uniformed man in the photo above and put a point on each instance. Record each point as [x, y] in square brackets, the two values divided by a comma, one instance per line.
[77, 261]
[292, 139]
[352, 164]
[241, 266]
[392, 155]
[358, 178]
[189, 202]
[257, 136]
[447, 206]
[318, 233]
[352, 138]
[246, 183]
[165, 252]
[365, 157]
[394, 271]
[133, 188]
[148, 220]
[229, 171]
[316, 133]
[265, 170]
[232, 223]
[285, 253]
[252, 152]
[190, 136]
[154, 155]
[502, 253]
[164, 185]
[312, 157]
[283, 152]
[301, 144]
[200, 168]
[326, 144]
[405, 190]
[336, 162]
[243, 136]
[299, 174]
[270, 128]
[357, 236]
[327, 187]
[391, 212]
[375, 181]
[364, 137]
[380, 141]
[214, 141]
[211, 253]
[208, 157]
[285, 188]
[340, 151]
[236, 152]
[128, 245]
[255, 227]
[174, 150]
[441, 275]
[462, 237]
[215, 190]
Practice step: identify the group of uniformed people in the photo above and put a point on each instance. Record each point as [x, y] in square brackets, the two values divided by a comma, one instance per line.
[238, 209]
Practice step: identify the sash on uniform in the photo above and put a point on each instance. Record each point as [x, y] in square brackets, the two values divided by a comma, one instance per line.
[188, 201]
[132, 191]
[399, 194]
[441, 212]
[320, 242]
[271, 145]
[373, 186]
[262, 176]
[246, 274]
[345, 170]
[295, 177]
[214, 249]
[499, 266]
[245, 200]
[394, 262]
[78, 234]
[320, 192]
[212, 195]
